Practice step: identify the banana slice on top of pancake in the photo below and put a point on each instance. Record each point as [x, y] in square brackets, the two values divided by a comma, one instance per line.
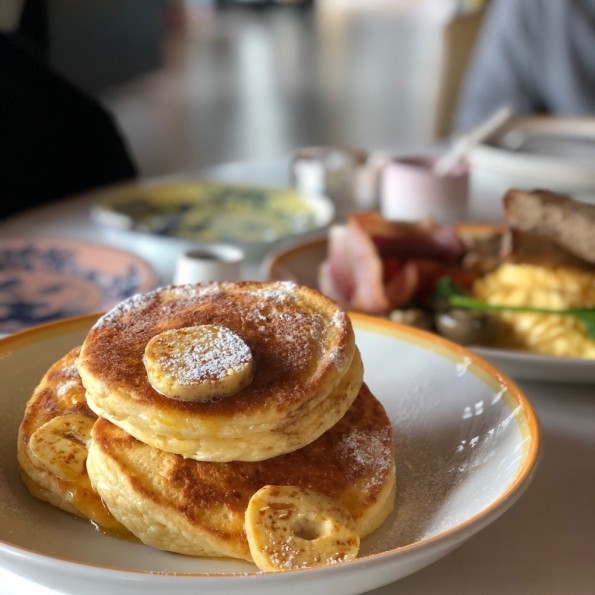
[223, 371]
[198, 363]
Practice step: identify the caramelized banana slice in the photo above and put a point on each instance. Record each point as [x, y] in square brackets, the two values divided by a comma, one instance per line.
[292, 527]
[198, 363]
[60, 445]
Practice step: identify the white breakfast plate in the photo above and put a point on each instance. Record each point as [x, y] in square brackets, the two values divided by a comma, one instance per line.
[299, 262]
[532, 366]
[254, 217]
[48, 278]
[466, 443]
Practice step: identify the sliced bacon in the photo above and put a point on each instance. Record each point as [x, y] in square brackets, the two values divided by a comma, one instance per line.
[336, 273]
[449, 239]
[375, 265]
[367, 267]
[417, 281]
[408, 239]
[401, 287]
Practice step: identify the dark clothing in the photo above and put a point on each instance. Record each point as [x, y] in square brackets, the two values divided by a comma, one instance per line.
[536, 56]
[55, 140]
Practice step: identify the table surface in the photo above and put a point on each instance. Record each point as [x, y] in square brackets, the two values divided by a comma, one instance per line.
[545, 544]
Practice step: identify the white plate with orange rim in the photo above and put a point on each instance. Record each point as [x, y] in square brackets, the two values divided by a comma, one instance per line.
[299, 262]
[466, 443]
[46, 279]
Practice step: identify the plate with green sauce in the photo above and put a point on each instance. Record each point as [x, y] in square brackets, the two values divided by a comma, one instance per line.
[199, 211]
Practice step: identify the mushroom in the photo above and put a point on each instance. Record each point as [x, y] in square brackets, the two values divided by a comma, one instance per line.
[413, 317]
[466, 327]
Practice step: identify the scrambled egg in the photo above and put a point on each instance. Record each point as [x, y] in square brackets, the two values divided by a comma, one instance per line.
[531, 285]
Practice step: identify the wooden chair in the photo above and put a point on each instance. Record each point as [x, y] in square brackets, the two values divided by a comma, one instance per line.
[458, 41]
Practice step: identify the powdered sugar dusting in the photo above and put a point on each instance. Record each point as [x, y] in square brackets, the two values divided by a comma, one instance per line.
[279, 290]
[133, 303]
[221, 355]
[303, 338]
[140, 301]
[367, 451]
[287, 555]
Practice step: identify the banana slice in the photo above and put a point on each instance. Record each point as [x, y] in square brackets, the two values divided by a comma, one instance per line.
[60, 445]
[198, 363]
[291, 527]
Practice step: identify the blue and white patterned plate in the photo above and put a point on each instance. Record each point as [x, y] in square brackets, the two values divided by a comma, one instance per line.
[47, 279]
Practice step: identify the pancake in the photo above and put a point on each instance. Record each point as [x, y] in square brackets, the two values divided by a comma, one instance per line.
[51, 448]
[306, 369]
[197, 507]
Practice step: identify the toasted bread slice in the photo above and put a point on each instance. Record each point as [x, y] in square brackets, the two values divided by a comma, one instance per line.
[532, 248]
[565, 222]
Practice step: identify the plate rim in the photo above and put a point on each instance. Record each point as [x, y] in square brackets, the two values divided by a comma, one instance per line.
[465, 529]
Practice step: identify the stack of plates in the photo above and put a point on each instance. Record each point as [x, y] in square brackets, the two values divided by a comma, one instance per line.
[548, 153]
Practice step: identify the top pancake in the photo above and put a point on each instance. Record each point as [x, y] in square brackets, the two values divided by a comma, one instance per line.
[307, 370]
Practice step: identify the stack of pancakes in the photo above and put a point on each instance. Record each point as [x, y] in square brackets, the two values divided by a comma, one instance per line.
[192, 412]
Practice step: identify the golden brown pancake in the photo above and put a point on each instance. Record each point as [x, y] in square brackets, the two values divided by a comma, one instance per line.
[306, 369]
[197, 507]
[50, 448]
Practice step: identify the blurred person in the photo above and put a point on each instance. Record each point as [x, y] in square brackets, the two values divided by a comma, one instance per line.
[535, 56]
[55, 140]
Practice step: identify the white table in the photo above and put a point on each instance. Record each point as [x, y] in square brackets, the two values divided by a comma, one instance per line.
[544, 545]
